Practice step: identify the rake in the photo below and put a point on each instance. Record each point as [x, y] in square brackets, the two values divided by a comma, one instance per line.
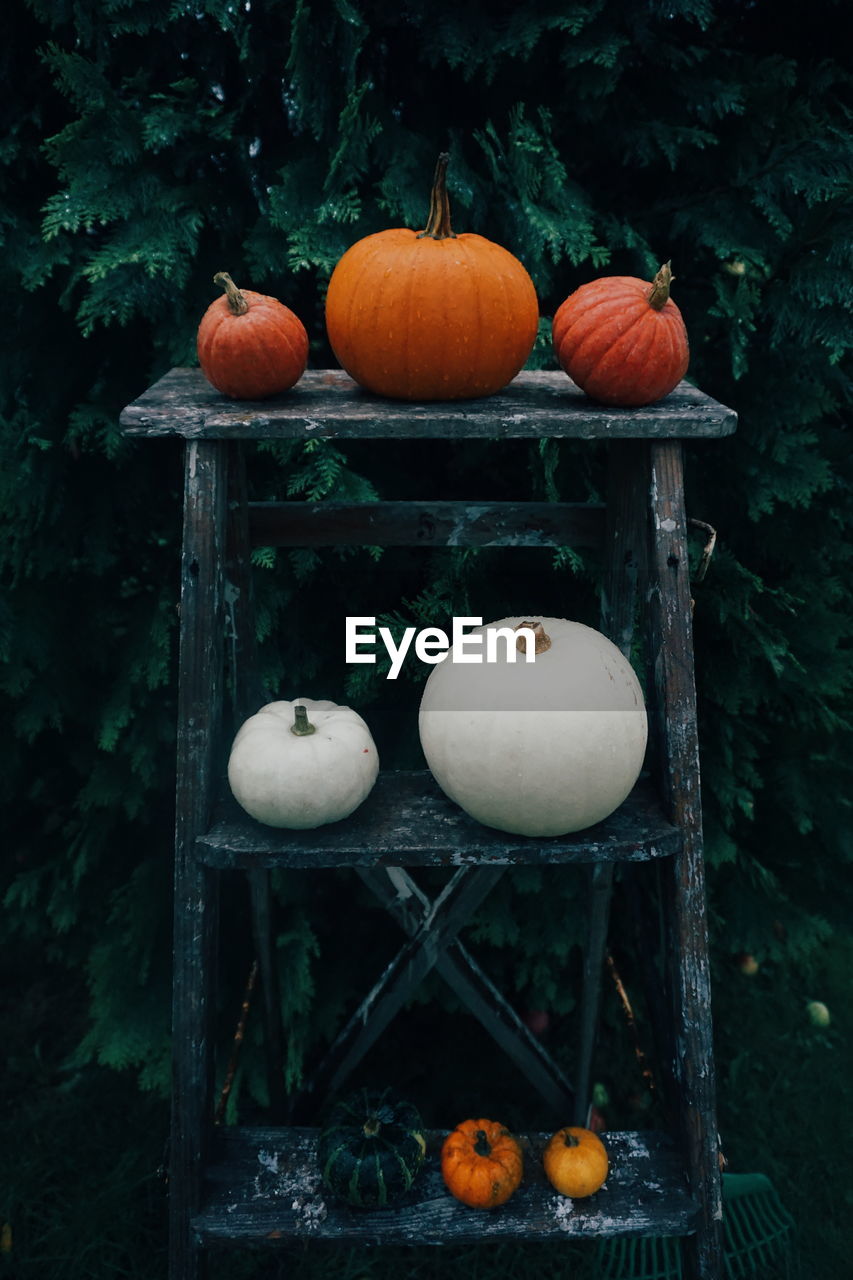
[757, 1234]
[757, 1228]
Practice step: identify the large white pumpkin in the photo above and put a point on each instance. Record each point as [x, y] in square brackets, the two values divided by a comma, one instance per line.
[302, 764]
[537, 748]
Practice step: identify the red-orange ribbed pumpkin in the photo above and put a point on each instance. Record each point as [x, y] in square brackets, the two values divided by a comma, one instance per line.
[250, 346]
[431, 315]
[622, 340]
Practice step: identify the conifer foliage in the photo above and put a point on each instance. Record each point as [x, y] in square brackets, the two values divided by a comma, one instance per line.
[147, 145]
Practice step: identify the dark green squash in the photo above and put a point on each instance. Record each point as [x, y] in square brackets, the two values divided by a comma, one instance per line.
[371, 1149]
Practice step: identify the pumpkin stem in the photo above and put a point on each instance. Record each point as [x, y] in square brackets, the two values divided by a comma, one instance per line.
[302, 726]
[482, 1146]
[659, 293]
[542, 641]
[438, 222]
[569, 1140]
[236, 301]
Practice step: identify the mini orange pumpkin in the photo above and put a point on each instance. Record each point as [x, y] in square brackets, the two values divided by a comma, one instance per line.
[575, 1162]
[622, 340]
[431, 315]
[250, 346]
[481, 1163]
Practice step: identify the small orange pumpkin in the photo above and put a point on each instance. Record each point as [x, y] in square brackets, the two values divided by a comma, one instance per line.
[622, 340]
[575, 1162]
[481, 1163]
[431, 315]
[250, 346]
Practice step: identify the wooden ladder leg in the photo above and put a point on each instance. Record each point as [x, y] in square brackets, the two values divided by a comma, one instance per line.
[650, 937]
[263, 930]
[672, 662]
[196, 900]
[625, 566]
[247, 696]
[601, 890]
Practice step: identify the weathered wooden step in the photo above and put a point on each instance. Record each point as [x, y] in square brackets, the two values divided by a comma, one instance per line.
[325, 402]
[426, 524]
[408, 821]
[263, 1187]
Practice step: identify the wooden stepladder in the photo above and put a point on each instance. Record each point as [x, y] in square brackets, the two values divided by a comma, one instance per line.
[253, 1185]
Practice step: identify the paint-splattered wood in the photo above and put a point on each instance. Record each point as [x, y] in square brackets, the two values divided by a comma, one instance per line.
[688, 960]
[196, 888]
[326, 402]
[265, 1188]
[408, 821]
[426, 524]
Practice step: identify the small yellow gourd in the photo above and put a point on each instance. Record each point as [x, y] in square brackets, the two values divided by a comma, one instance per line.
[575, 1162]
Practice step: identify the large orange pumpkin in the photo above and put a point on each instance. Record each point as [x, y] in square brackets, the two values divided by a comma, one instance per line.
[431, 315]
[481, 1163]
[622, 340]
[250, 346]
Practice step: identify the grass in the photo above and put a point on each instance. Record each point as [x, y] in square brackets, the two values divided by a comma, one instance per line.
[785, 1096]
[448, 1263]
[80, 1152]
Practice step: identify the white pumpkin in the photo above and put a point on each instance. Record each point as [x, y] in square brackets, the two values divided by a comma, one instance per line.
[538, 748]
[302, 764]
